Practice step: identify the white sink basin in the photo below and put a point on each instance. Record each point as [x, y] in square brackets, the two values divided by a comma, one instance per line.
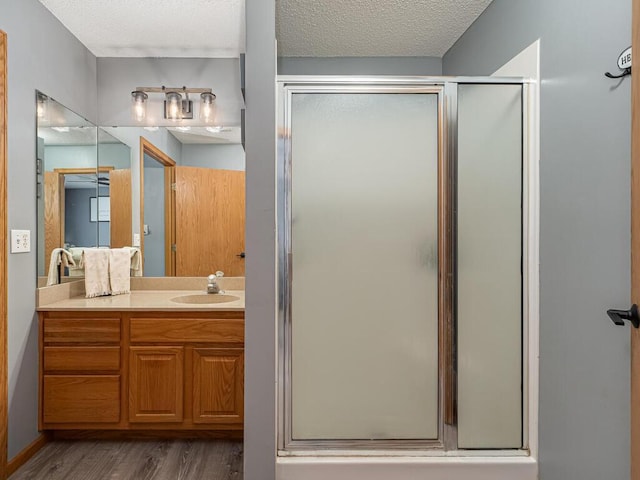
[205, 298]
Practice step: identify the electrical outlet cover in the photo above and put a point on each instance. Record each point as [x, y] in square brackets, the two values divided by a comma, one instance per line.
[20, 241]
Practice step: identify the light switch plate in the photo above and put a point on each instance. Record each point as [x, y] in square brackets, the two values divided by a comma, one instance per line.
[136, 239]
[20, 241]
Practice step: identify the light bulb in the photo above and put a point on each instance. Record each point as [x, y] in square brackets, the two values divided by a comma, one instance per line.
[207, 107]
[138, 105]
[173, 106]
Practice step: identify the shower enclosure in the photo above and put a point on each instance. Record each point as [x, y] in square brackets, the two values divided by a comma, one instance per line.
[402, 226]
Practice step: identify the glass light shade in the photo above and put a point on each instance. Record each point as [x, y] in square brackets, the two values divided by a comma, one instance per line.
[173, 106]
[207, 107]
[42, 107]
[138, 105]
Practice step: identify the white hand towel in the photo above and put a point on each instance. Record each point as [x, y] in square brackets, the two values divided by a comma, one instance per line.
[58, 256]
[135, 261]
[96, 272]
[119, 270]
[77, 270]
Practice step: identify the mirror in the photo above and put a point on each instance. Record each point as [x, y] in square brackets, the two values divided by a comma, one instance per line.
[176, 192]
[188, 199]
[67, 178]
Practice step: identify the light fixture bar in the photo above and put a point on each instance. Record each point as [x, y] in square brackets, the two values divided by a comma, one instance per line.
[173, 89]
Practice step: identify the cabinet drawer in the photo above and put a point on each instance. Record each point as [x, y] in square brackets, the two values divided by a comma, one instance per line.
[82, 330]
[81, 359]
[204, 330]
[81, 399]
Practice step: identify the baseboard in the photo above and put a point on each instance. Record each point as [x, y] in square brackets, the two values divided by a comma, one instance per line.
[23, 457]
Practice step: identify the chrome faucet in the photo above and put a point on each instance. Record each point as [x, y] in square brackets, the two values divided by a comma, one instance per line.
[212, 284]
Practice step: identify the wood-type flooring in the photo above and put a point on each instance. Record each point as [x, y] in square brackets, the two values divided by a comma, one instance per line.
[135, 460]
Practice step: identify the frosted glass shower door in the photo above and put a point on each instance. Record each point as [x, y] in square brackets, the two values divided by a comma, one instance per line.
[364, 266]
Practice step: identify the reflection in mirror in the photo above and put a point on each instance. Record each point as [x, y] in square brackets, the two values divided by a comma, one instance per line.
[188, 198]
[114, 196]
[176, 192]
[67, 178]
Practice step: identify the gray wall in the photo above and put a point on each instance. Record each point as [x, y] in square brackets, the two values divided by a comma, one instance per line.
[584, 225]
[227, 157]
[154, 217]
[79, 230]
[359, 66]
[260, 332]
[42, 55]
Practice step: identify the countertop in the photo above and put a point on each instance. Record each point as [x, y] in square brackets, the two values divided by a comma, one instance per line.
[141, 300]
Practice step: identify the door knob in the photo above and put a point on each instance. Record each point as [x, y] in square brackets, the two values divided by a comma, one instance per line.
[619, 316]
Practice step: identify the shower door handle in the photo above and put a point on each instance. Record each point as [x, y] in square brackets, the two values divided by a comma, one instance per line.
[619, 316]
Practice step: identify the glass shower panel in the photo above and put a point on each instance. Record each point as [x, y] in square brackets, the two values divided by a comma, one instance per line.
[364, 291]
[489, 236]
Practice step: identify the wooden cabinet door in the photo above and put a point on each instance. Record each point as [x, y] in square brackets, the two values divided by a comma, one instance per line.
[218, 385]
[156, 384]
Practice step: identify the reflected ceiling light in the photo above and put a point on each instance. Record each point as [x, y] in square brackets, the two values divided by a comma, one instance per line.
[217, 129]
[177, 105]
[60, 129]
[138, 105]
[152, 129]
[42, 106]
[183, 129]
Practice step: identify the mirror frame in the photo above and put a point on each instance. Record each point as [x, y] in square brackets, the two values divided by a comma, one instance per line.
[3, 258]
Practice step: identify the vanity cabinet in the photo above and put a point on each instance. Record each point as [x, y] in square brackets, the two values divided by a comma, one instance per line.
[142, 371]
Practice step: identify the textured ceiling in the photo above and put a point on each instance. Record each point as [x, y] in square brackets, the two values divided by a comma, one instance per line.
[348, 28]
[155, 28]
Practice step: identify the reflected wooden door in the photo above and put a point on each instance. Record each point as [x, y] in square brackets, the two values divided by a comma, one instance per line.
[210, 221]
[635, 244]
[120, 205]
[53, 214]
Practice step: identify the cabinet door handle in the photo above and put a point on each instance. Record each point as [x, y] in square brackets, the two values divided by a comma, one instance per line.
[241, 255]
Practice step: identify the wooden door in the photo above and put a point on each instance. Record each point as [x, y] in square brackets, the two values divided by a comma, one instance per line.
[635, 242]
[218, 385]
[156, 384]
[4, 400]
[210, 221]
[53, 214]
[121, 231]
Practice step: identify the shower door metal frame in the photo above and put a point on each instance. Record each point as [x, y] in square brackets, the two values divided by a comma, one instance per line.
[446, 90]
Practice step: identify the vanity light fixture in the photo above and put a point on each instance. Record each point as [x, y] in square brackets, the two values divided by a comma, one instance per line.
[177, 105]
